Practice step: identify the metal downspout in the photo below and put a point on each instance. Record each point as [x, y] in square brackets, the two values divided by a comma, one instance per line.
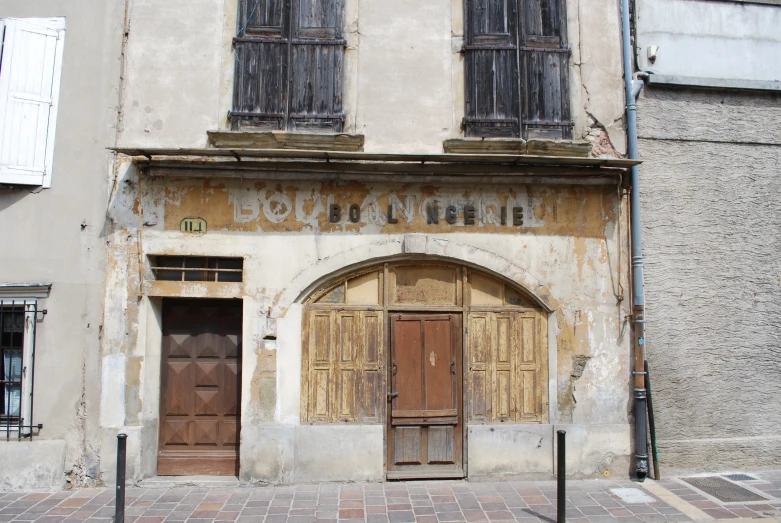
[638, 304]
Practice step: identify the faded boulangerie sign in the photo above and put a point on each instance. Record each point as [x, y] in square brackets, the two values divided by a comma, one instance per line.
[387, 208]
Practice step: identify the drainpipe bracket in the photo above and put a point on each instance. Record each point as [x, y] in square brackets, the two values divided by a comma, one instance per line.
[637, 86]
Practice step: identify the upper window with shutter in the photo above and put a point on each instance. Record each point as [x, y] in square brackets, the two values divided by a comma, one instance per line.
[289, 56]
[517, 63]
[29, 91]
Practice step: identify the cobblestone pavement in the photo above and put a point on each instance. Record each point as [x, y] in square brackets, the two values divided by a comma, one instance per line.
[589, 501]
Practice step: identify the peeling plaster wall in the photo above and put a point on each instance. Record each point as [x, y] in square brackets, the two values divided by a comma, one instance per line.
[403, 80]
[56, 235]
[403, 90]
[570, 259]
[601, 74]
[711, 222]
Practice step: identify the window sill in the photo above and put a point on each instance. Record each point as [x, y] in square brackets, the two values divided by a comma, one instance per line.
[569, 148]
[286, 140]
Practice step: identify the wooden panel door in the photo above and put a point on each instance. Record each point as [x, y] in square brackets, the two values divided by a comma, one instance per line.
[200, 394]
[425, 429]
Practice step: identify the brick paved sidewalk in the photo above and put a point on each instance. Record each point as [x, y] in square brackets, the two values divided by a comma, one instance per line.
[589, 501]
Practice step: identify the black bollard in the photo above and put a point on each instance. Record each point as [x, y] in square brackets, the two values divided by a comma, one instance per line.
[561, 473]
[119, 502]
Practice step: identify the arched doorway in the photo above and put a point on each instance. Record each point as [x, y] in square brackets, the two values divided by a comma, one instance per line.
[425, 348]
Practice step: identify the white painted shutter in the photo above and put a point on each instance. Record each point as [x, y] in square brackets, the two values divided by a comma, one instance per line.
[29, 88]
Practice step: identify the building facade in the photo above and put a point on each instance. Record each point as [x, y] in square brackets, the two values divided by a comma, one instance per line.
[314, 240]
[368, 241]
[709, 140]
[59, 75]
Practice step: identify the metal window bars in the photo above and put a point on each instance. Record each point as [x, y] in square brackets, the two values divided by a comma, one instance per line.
[18, 324]
[198, 268]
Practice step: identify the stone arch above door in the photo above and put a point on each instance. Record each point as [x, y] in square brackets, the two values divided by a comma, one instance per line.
[411, 246]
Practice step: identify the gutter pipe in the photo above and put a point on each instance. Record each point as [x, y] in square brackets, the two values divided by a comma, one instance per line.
[632, 89]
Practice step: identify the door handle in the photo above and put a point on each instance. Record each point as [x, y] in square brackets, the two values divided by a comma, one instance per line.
[392, 395]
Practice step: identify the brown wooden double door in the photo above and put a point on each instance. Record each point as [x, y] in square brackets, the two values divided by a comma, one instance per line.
[425, 425]
[200, 394]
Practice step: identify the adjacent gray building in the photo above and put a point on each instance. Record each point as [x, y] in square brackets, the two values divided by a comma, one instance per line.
[710, 140]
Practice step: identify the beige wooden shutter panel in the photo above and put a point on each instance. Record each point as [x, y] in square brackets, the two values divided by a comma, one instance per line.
[372, 357]
[478, 352]
[342, 368]
[319, 386]
[506, 366]
[346, 367]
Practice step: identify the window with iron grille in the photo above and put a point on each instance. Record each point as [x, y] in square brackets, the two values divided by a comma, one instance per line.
[17, 358]
[289, 56]
[198, 268]
[517, 69]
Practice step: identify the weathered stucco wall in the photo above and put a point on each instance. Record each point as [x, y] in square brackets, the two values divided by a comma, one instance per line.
[403, 90]
[711, 220]
[403, 79]
[56, 235]
[570, 254]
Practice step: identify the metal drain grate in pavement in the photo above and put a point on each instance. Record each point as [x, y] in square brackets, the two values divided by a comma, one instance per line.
[739, 477]
[723, 490]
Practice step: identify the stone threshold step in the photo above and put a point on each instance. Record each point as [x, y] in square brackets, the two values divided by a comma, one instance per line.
[190, 481]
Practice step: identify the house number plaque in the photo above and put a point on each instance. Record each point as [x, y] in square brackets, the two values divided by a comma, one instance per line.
[195, 226]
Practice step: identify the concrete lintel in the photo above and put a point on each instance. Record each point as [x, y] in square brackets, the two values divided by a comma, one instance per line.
[25, 290]
[713, 83]
[286, 140]
[567, 148]
[178, 289]
[532, 147]
[485, 146]
[763, 2]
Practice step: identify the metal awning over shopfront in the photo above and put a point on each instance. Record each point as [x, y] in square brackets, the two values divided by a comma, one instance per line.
[397, 167]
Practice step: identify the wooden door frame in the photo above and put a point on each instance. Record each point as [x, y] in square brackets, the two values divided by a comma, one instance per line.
[460, 313]
[206, 455]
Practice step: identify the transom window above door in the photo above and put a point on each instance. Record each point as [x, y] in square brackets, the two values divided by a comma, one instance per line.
[289, 56]
[421, 285]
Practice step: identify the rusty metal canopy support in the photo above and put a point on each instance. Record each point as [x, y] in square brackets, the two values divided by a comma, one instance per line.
[327, 165]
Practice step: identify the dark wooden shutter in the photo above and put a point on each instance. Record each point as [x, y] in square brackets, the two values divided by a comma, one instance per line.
[491, 56]
[317, 57]
[262, 48]
[545, 70]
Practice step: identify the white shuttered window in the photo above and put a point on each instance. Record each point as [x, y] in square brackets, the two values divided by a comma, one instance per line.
[29, 91]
